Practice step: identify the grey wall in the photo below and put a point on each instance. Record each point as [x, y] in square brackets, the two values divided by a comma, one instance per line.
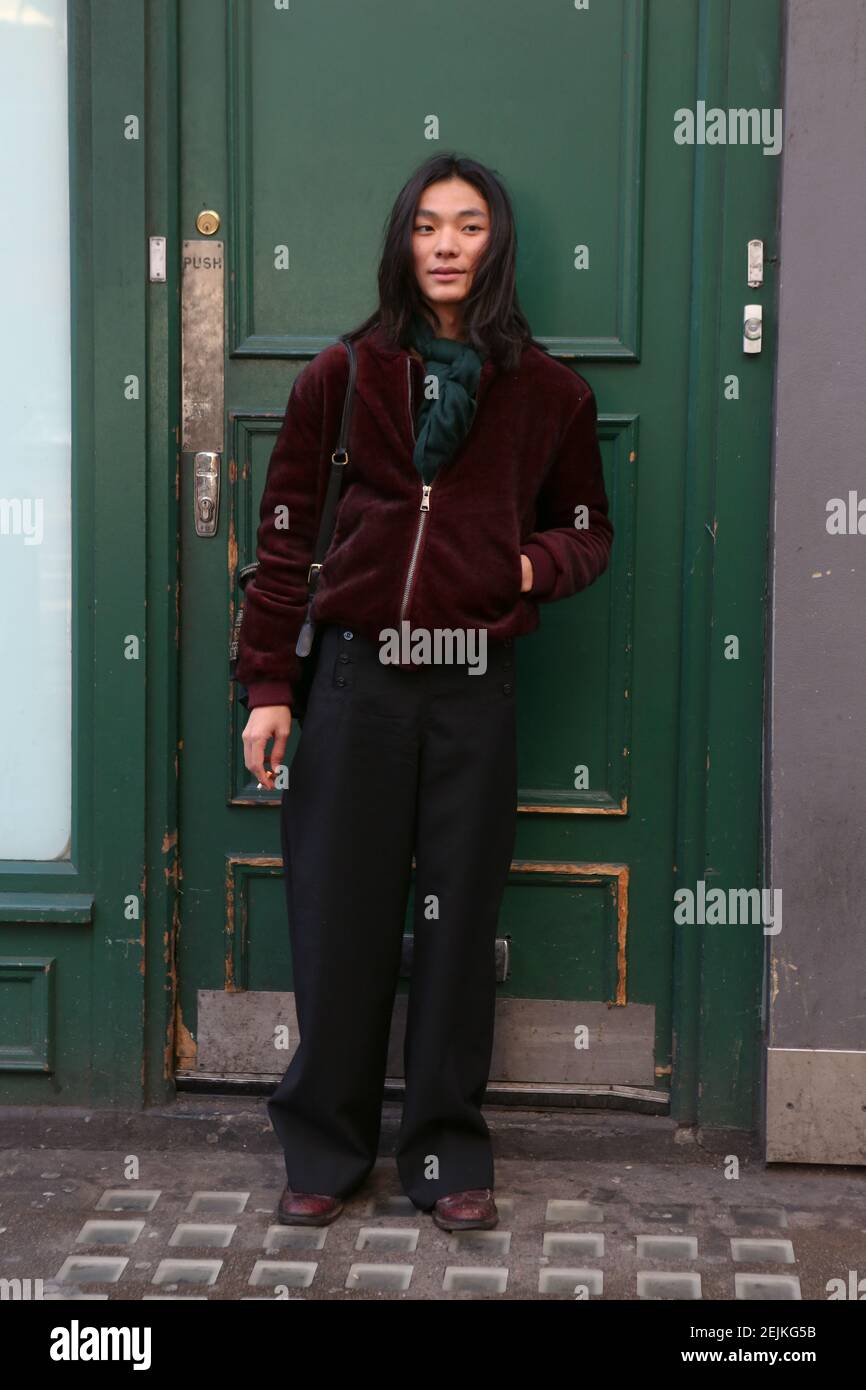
[817, 717]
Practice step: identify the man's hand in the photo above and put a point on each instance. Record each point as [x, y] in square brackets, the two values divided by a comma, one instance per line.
[268, 721]
[526, 566]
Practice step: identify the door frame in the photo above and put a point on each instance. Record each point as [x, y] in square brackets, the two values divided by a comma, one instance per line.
[717, 1020]
[74, 929]
[717, 988]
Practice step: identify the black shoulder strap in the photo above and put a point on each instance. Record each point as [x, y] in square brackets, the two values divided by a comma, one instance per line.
[339, 460]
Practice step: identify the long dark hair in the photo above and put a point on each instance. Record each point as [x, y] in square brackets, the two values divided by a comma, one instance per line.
[493, 319]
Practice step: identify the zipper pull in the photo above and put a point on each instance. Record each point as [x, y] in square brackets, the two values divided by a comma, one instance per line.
[425, 497]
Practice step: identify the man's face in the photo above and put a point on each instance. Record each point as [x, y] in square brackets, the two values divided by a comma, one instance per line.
[450, 231]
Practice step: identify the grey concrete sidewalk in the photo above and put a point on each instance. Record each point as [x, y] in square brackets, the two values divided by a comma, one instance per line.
[594, 1204]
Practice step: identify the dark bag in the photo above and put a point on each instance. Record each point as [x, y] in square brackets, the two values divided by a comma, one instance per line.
[308, 642]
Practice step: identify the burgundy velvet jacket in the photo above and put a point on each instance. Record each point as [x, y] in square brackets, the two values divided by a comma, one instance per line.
[450, 558]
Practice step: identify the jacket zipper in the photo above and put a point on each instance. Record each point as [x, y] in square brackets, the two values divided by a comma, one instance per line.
[426, 490]
[424, 509]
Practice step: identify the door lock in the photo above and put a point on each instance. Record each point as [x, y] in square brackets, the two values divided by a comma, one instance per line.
[207, 492]
[208, 222]
[202, 367]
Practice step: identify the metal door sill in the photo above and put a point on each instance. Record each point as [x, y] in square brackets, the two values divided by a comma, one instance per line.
[645, 1100]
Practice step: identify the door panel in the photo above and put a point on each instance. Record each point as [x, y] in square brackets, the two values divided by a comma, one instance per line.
[299, 126]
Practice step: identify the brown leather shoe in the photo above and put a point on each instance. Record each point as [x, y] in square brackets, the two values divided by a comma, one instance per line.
[308, 1208]
[461, 1211]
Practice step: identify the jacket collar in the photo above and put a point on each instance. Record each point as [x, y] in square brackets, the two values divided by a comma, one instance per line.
[377, 340]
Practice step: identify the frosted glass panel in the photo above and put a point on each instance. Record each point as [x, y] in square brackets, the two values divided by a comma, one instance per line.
[35, 584]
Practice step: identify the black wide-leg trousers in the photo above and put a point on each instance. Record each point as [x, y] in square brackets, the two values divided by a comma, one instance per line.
[393, 762]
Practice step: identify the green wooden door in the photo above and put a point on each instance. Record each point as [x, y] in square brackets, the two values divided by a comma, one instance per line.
[298, 124]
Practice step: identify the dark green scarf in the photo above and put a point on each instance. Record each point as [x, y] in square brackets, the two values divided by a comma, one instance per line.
[442, 424]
